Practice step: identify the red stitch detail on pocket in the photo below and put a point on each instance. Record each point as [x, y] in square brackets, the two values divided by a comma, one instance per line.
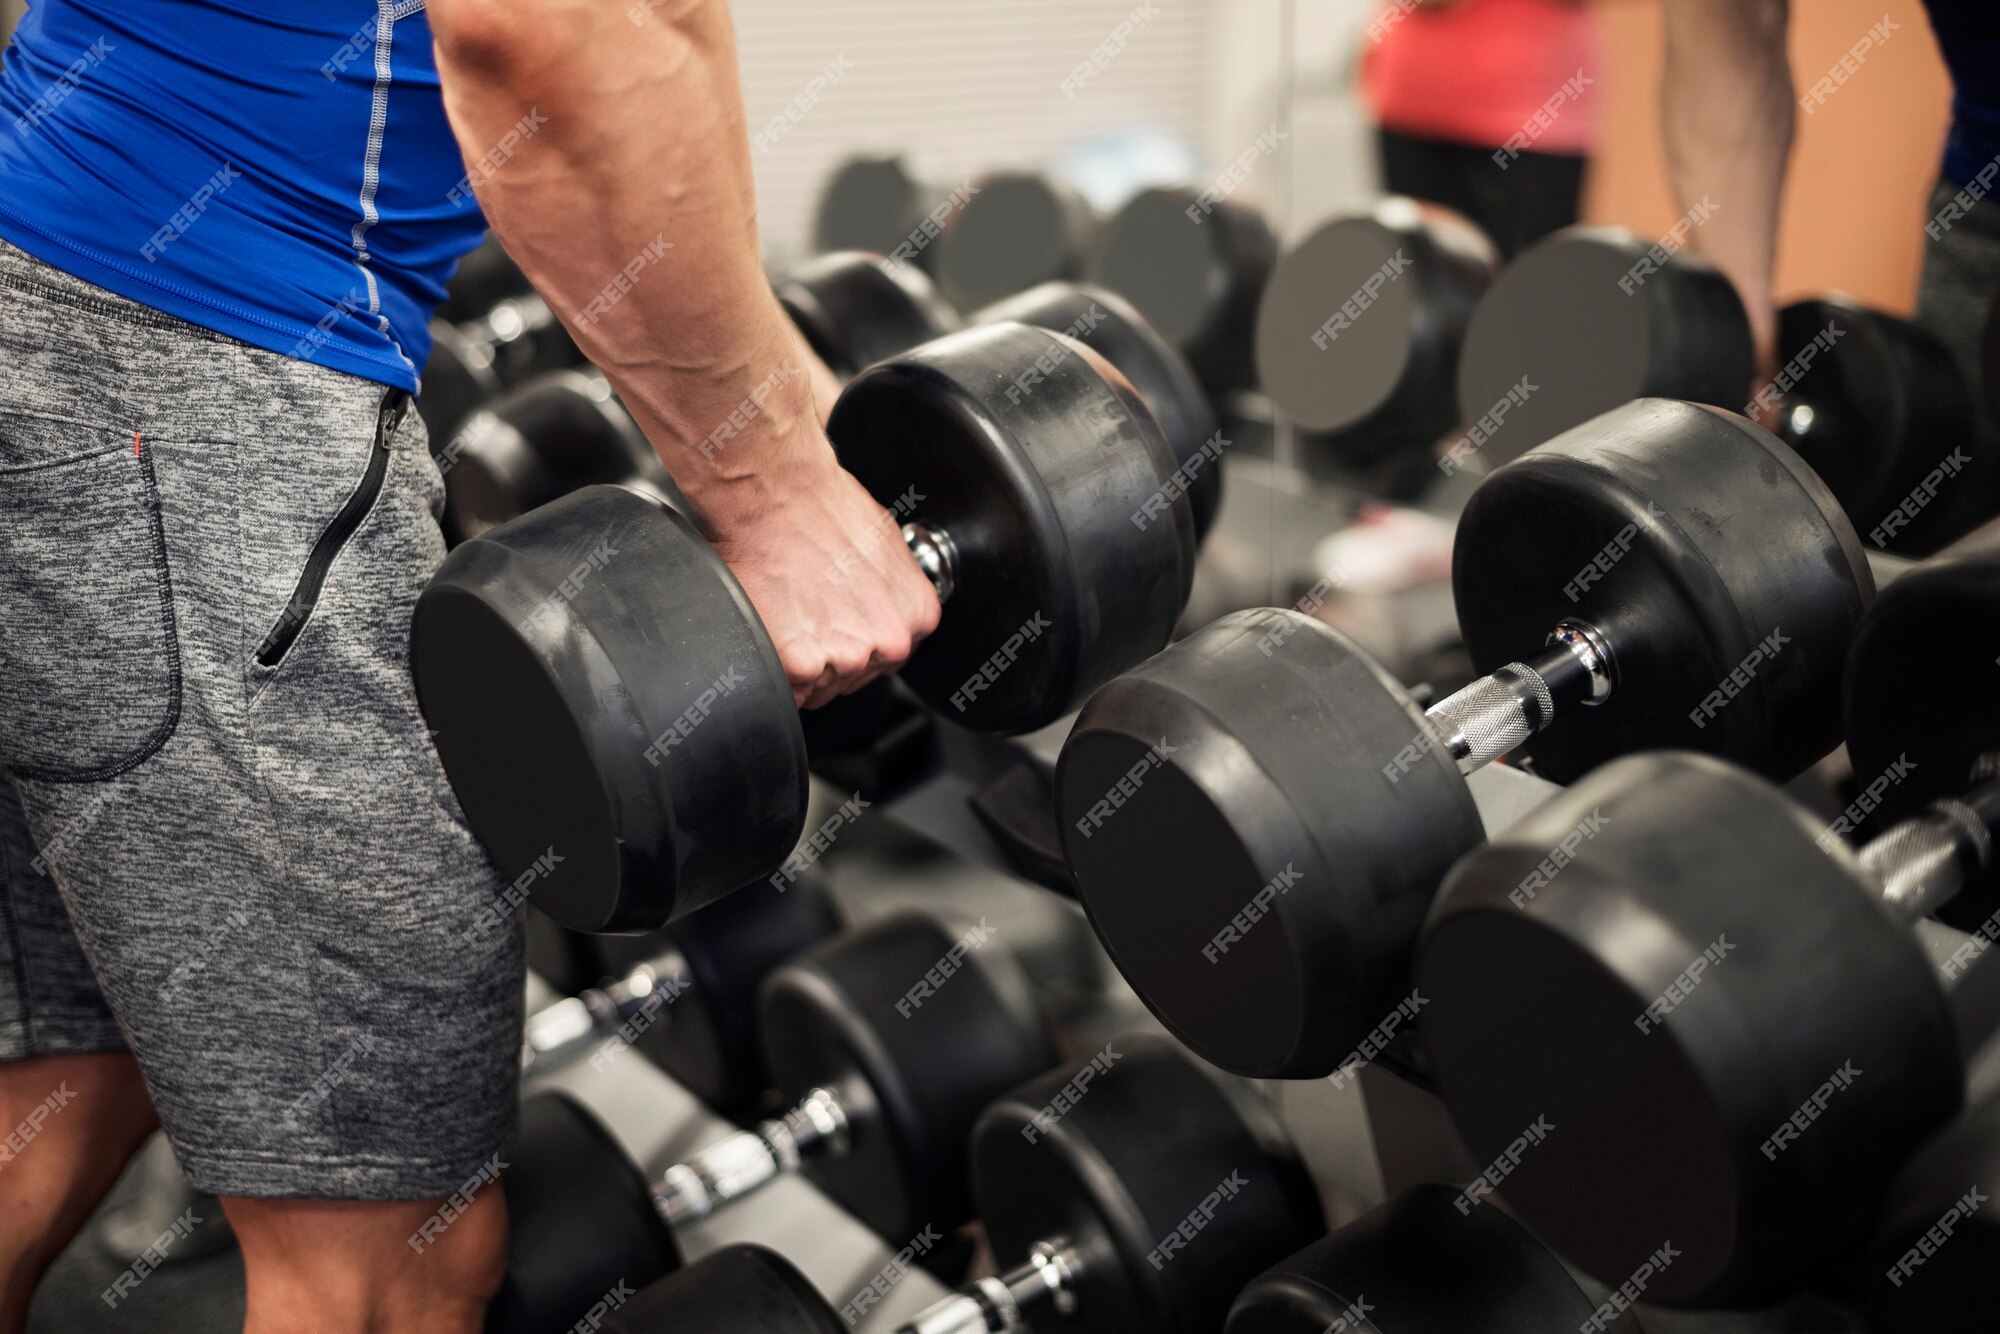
[135, 444]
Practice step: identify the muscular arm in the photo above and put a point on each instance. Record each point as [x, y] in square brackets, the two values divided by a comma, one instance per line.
[639, 164]
[1727, 109]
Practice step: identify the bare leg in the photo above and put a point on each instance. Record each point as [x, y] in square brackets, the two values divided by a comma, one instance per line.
[74, 1122]
[347, 1266]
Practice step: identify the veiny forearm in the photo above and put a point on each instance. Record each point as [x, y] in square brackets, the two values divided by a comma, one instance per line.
[639, 166]
[1727, 107]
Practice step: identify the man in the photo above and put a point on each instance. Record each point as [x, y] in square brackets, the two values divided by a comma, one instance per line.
[1730, 108]
[239, 898]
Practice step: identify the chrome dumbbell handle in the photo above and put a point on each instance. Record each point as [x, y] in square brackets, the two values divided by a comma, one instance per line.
[936, 556]
[1001, 1305]
[746, 1161]
[558, 1033]
[1920, 864]
[1496, 713]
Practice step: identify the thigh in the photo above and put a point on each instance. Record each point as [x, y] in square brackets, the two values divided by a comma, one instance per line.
[275, 891]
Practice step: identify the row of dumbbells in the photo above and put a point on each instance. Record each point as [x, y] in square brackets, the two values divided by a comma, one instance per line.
[1133, 1188]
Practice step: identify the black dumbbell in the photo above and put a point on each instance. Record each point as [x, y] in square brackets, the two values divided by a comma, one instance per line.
[1593, 317]
[1935, 633]
[856, 308]
[1116, 330]
[739, 1287]
[1429, 1261]
[486, 276]
[1258, 816]
[1015, 230]
[1195, 267]
[1880, 410]
[1723, 1013]
[516, 340]
[1359, 332]
[874, 202]
[538, 442]
[685, 996]
[1930, 1267]
[1144, 1203]
[599, 683]
[886, 1043]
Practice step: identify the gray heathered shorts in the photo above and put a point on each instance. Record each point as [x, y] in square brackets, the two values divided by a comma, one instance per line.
[225, 839]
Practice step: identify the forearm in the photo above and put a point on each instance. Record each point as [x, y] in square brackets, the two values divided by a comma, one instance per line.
[632, 211]
[1726, 102]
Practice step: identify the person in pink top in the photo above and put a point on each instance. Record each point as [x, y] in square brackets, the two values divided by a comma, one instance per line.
[1489, 107]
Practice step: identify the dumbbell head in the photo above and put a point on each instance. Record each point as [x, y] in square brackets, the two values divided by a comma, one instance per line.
[528, 446]
[736, 1290]
[856, 308]
[484, 278]
[1170, 1187]
[1929, 1269]
[1720, 569]
[1258, 816]
[1110, 326]
[1590, 318]
[913, 1027]
[1040, 461]
[458, 377]
[1195, 268]
[1921, 705]
[1674, 968]
[580, 1220]
[1017, 229]
[874, 203]
[1877, 405]
[1429, 1261]
[708, 1038]
[1382, 375]
[561, 662]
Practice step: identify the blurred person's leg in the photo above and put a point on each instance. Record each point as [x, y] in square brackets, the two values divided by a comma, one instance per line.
[1515, 205]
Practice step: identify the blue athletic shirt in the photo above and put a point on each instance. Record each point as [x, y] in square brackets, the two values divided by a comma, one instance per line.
[1968, 32]
[279, 171]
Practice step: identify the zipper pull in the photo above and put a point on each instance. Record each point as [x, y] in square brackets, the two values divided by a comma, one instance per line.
[390, 417]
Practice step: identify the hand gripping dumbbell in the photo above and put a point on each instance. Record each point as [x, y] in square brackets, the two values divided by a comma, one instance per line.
[1930, 1267]
[1195, 266]
[1880, 410]
[538, 442]
[1359, 332]
[886, 1043]
[1014, 230]
[1258, 816]
[1722, 1013]
[1135, 1192]
[1593, 317]
[857, 309]
[599, 683]
[1429, 1261]
[685, 996]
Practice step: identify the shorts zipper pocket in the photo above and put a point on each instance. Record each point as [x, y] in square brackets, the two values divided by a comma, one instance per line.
[305, 593]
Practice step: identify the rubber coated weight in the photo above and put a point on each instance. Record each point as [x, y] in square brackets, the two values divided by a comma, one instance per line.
[1921, 705]
[579, 1220]
[1243, 858]
[1422, 1263]
[562, 661]
[856, 309]
[874, 203]
[914, 1028]
[708, 1037]
[486, 276]
[1877, 406]
[736, 1290]
[1592, 318]
[1195, 268]
[1749, 1112]
[533, 444]
[1037, 459]
[1015, 230]
[458, 377]
[1170, 1189]
[1361, 324]
[1112, 327]
[1930, 1267]
[1690, 538]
